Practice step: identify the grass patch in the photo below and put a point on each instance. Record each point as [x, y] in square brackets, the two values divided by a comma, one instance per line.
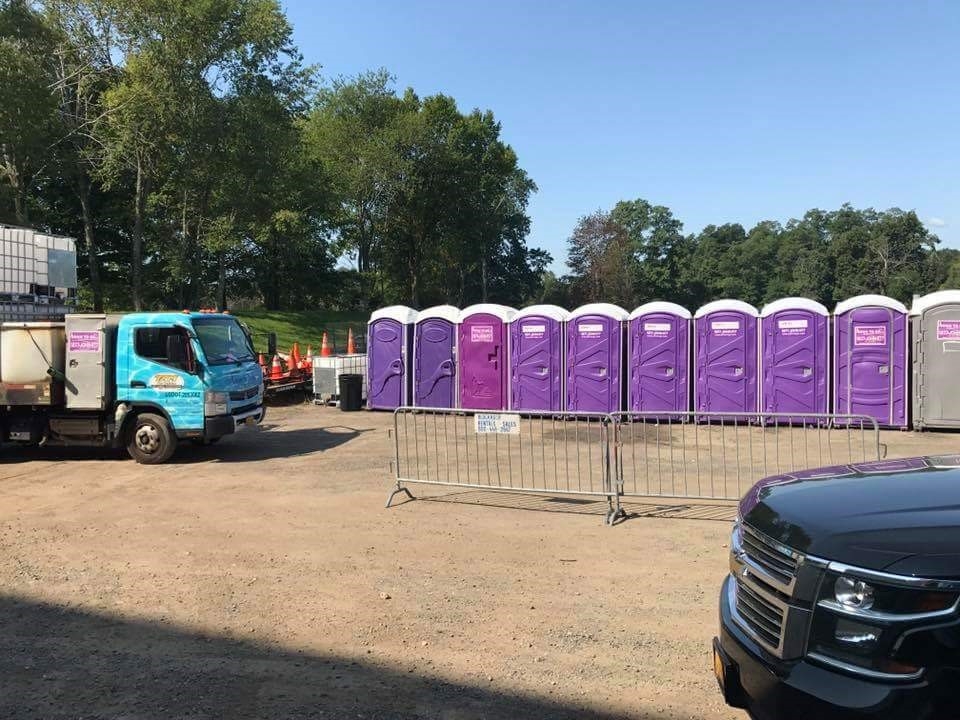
[306, 327]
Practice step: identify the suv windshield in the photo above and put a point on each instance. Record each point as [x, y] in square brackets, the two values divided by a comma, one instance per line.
[223, 340]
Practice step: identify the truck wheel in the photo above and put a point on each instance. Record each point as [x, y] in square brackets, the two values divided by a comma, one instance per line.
[151, 440]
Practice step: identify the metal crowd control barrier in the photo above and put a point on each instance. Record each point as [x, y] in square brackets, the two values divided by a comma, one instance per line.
[551, 453]
[680, 455]
[719, 456]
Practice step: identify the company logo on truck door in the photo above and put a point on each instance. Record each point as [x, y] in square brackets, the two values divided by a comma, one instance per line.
[166, 381]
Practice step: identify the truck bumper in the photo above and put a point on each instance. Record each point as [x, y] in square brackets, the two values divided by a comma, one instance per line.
[771, 689]
[217, 427]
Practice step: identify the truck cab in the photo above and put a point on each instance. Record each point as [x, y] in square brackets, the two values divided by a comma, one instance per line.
[143, 381]
[843, 597]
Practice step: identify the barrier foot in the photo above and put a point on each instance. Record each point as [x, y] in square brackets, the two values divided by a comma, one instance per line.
[399, 489]
[616, 512]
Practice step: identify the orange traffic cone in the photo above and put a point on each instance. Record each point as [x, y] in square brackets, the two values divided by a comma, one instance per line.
[324, 347]
[295, 356]
[262, 363]
[309, 359]
[351, 350]
[276, 372]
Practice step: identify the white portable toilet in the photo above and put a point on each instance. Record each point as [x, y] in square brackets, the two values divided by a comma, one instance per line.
[935, 333]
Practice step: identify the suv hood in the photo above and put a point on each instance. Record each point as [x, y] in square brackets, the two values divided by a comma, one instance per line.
[901, 516]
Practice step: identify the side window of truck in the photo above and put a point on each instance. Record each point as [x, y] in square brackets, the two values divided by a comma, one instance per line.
[151, 343]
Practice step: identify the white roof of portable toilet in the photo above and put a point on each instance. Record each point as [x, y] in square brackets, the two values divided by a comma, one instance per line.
[501, 311]
[401, 313]
[554, 312]
[445, 312]
[793, 303]
[608, 309]
[941, 297]
[663, 307]
[735, 305]
[867, 301]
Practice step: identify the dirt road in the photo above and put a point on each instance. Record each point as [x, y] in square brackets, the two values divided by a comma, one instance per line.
[262, 578]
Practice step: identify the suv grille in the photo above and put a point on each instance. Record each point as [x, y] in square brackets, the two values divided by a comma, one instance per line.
[763, 619]
[774, 561]
[765, 573]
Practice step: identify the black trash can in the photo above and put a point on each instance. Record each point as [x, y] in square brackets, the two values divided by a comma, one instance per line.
[351, 392]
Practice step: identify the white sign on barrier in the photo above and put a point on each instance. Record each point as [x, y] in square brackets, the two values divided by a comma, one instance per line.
[491, 423]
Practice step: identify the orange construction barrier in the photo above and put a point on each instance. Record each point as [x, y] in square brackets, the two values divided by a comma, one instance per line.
[324, 347]
[351, 349]
[276, 372]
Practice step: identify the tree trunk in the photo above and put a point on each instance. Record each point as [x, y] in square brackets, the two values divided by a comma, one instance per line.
[139, 210]
[221, 281]
[93, 261]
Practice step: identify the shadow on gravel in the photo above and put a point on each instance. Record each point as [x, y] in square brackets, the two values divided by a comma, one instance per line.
[59, 663]
[266, 442]
[250, 445]
[582, 505]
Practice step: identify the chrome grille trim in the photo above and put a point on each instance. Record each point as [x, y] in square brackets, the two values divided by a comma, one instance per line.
[775, 563]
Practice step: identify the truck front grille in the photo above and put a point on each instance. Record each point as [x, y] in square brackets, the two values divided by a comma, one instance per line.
[762, 618]
[241, 395]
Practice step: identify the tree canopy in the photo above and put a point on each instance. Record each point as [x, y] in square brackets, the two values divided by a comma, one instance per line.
[200, 161]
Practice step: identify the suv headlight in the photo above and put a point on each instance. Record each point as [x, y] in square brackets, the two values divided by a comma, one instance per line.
[215, 403]
[861, 622]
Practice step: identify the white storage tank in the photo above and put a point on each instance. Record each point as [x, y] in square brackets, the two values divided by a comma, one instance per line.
[28, 349]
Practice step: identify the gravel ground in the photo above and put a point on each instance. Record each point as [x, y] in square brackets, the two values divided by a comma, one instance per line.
[262, 578]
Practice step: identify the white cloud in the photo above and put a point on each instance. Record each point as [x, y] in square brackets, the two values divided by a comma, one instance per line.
[936, 222]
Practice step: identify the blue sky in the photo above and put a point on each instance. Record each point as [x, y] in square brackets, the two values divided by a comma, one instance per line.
[725, 112]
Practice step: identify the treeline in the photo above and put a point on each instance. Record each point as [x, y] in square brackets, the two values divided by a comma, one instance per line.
[638, 252]
[199, 161]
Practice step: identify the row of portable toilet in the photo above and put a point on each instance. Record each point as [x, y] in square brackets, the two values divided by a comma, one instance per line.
[778, 360]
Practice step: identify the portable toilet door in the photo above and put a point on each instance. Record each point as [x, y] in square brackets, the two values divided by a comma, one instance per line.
[536, 358]
[870, 359]
[725, 351]
[659, 341]
[594, 358]
[482, 356]
[794, 358]
[435, 357]
[389, 349]
[935, 322]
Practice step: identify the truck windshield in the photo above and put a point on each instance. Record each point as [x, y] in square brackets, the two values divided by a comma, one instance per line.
[223, 340]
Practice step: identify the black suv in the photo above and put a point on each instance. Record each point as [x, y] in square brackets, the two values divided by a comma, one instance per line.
[843, 598]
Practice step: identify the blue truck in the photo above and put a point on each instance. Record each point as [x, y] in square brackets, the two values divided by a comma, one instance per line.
[142, 381]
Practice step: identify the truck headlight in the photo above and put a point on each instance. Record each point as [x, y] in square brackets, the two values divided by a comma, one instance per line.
[215, 403]
[862, 624]
[853, 593]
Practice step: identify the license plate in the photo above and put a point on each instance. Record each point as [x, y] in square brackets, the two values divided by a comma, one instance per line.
[719, 668]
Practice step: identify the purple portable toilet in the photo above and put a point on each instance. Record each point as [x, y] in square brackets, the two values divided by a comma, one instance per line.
[595, 347]
[725, 357]
[794, 358]
[482, 360]
[435, 357]
[659, 341]
[536, 358]
[389, 349]
[870, 359]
